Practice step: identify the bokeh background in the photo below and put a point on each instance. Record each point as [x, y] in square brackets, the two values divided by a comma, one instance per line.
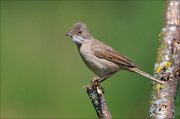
[42, 74]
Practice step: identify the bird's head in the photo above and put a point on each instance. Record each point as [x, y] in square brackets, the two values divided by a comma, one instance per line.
[79, 33]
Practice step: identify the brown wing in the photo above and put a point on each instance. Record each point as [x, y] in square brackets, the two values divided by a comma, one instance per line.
[103, 51]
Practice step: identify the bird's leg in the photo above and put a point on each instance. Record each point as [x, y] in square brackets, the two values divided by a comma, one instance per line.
[95, 82]
[100, 79]
[95, 79]
[104, 78]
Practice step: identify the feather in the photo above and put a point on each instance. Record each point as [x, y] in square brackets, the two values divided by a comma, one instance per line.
[103, 51]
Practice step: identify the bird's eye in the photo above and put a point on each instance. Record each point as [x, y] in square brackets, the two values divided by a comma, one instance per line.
[80, 32]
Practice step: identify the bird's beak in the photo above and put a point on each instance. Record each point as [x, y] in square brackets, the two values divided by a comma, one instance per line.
[68, 34]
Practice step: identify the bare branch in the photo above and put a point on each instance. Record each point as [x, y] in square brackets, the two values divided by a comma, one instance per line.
[167, 67]
[96, 94]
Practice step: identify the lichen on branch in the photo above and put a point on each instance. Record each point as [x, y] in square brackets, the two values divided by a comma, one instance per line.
[167, 67]
[96, 95]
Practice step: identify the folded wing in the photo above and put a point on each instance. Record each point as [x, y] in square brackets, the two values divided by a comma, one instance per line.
[103, 51]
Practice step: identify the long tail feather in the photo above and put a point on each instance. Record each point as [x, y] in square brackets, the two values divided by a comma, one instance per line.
[136, 70]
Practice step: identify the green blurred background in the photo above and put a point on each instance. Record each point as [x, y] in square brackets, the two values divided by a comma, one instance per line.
[42, 74]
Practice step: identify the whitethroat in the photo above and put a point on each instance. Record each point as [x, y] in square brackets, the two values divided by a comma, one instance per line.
[100, 58]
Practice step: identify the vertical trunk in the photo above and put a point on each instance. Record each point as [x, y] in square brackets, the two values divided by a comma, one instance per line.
[167, 67]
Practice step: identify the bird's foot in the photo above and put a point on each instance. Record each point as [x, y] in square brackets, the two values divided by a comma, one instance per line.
[96, 83]
[95, 80]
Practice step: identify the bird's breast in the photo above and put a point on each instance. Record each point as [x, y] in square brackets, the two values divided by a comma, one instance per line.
[99, 66]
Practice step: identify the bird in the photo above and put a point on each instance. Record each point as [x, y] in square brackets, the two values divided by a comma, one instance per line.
[99, 57]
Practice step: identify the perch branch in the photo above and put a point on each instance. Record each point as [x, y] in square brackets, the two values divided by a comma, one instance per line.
[96, 94]
[167, 67]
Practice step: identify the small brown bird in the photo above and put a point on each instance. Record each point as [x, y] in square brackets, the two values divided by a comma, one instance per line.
[101, 59]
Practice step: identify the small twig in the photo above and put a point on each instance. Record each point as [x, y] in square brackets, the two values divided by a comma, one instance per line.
[167, 67]
[96, 94]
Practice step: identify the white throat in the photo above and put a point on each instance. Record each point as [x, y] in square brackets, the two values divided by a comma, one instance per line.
[77, 39]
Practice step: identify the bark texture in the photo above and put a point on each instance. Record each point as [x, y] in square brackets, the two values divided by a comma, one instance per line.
[96, 94]
[167, 68]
